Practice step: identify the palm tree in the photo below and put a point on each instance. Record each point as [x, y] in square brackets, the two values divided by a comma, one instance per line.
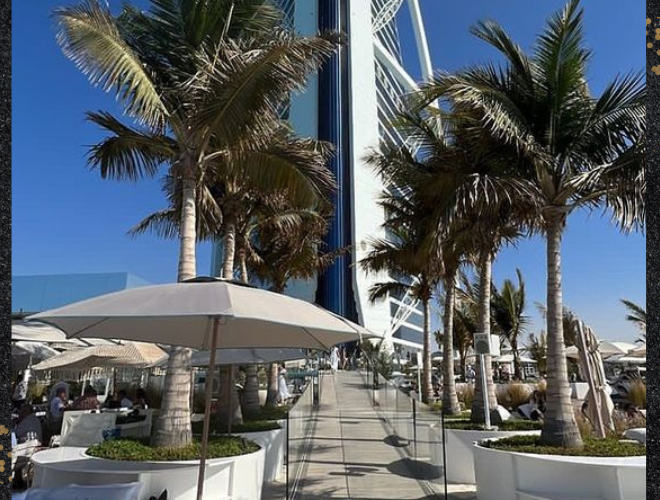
[199, 79]
[412, 269]
[538, 350]
[286, 244]
[465, 326]
[508, 310]
[636, 315]
[578, 151]
[229, 206]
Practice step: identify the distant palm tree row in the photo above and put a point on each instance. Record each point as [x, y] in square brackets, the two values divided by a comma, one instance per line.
[493, 154]
[499, 152]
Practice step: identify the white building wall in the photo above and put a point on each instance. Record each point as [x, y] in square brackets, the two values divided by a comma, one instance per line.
[368, 217]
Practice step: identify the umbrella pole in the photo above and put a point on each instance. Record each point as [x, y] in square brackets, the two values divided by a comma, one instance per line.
[207, 411]
[230, 384]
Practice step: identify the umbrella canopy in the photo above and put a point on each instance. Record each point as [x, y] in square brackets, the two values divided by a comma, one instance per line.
[36, 350]
[606, 348]
[206, 314]
[508, 358]
[638, 352]
[133, 354]
[37, 332]
[600, 405]
[183, 314]
[246, 356]
[626, 360]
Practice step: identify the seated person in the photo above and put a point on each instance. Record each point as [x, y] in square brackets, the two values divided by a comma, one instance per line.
[112, 402]
[124, 400]
[28, 426]
[141, 399]
[57, 406]
[87, 401]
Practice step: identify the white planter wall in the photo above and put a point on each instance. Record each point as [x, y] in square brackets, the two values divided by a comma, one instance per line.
[235, 478]
[523, 476]
[460, 456]
[274, 444]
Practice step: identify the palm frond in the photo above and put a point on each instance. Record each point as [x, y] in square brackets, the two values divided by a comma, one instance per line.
[128, 153]
[89, 36]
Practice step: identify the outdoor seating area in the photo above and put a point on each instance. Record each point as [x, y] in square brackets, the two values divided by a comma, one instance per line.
[328, 250]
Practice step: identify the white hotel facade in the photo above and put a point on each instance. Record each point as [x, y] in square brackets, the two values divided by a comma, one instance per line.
[348, 104]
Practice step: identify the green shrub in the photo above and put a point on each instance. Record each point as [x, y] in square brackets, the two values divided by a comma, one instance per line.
[513, 395]
[269, 413]
[132, 450]
[584, 426]
[542, 389]
[250, 426]
[637, 394]
[610, 447]
[509, 425]
[466, 395]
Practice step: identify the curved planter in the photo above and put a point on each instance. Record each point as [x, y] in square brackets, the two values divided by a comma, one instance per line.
[525, 476]
[460, 456]
[274, 444]
[238, 478]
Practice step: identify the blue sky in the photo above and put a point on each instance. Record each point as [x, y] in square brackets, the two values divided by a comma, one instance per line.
[67, 220]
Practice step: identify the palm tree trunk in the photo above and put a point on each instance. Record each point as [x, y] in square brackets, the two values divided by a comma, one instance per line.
[485, 272]
[427, 385]
[517, 365]
[449, 396]
[242, 262]
[251, 391]
[559, 427]
[230, 248]
[273, 369]
[229, 411]
[173, 427]
[250, 403]
[273, 374]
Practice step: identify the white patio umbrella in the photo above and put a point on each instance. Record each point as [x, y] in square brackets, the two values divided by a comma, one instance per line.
[600, 405]
[35, 350]
[246, 356]
[205, 313]
[606, 348]
[37, 332]
[132, 354]
[638, 352]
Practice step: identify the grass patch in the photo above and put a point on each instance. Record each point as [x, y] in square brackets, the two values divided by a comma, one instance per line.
[248, 426]
[133, 450]
[610, 447]
[509, 425]
[268, 413]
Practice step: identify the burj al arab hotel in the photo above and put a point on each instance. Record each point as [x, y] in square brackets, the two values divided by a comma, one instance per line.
[349, 104]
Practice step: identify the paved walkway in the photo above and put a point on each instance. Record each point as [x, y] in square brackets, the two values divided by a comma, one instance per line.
[353, 457]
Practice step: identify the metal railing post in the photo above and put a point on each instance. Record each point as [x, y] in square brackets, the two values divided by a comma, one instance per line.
[414, 407]
[444, 450]
[288, 454]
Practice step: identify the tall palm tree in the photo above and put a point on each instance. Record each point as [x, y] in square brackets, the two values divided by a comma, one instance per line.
[636, 315]
[461, 178]
[229, 206]
[508, 310]
[199, 79]
[579, 151]
[410, 266]
[537, 347]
